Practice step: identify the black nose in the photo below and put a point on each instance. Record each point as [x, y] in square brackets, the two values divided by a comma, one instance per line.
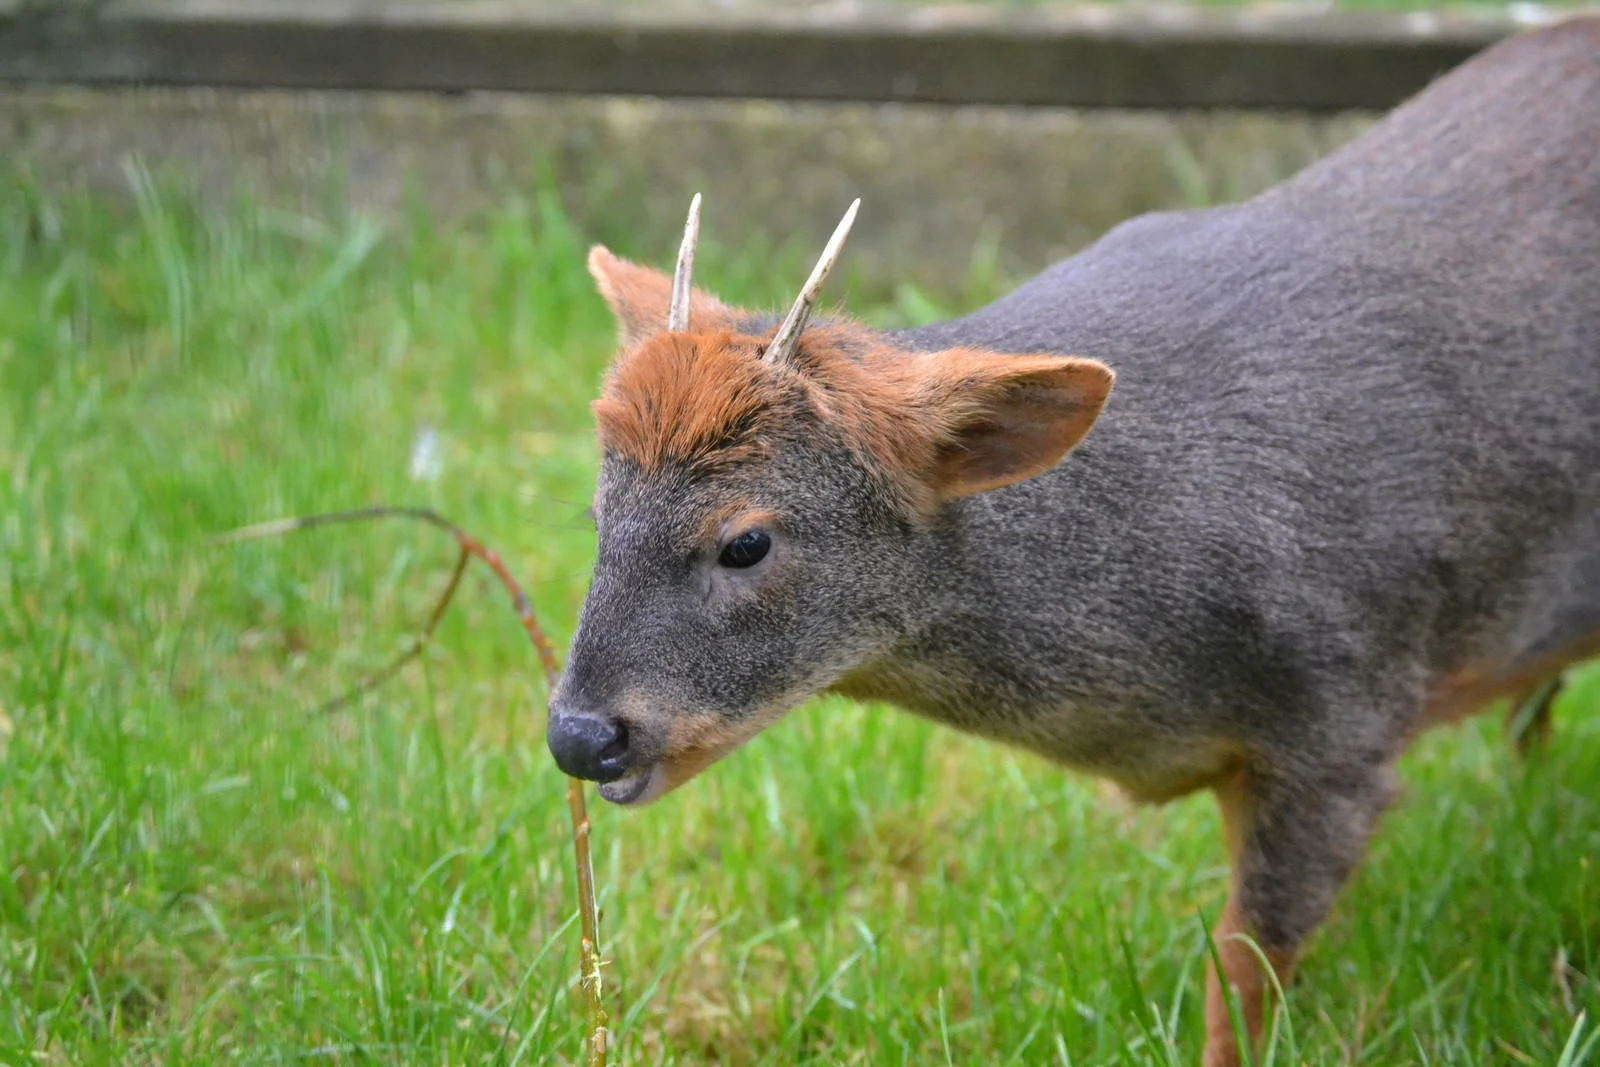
[588, 746]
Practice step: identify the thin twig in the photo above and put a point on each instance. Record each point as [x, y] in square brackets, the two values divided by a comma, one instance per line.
[596, 1039]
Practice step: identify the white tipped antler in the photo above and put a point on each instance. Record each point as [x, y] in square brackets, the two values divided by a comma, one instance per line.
[683, 276]
[787, 338]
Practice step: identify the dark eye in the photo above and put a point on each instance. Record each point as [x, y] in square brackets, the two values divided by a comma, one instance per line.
[746, 550]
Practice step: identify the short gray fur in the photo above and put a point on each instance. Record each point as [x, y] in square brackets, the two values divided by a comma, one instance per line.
[1354, 446]
[1352, 451]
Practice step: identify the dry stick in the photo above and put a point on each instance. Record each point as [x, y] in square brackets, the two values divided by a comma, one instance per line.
[588, 913]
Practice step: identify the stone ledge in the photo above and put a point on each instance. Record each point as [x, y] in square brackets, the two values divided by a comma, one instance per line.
[1142, 55]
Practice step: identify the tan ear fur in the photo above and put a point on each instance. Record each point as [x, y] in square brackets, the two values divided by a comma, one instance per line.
[639, 297]
[1005, 419]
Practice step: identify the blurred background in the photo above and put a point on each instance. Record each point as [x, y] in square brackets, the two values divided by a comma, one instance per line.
[272, 257]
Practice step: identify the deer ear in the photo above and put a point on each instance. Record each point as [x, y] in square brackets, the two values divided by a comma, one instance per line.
[1003, 419]
[639, 297]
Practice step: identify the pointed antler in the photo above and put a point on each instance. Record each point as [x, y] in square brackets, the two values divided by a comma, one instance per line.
[683, 277]
[787, 339]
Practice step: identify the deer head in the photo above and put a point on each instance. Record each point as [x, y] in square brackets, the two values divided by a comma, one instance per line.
[765, 509]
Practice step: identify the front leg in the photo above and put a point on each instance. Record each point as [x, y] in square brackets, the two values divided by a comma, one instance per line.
[1293, 836]
[1529, 721]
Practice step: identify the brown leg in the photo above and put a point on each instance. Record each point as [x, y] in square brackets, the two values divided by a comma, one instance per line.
[1248, 983]
[1240, 965]
[1529, 721]
[1292, 842]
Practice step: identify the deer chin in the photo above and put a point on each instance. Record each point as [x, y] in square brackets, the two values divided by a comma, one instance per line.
[649, 783]
[694, 744]
[638, 786]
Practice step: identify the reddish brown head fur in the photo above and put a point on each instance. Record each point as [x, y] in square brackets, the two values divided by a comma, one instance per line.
[689, 398]
[936, 424]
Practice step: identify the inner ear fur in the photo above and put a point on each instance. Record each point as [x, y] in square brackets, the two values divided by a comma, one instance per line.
[639, 296]
[1003, 419]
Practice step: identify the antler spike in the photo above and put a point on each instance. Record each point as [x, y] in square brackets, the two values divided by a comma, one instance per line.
[683, 276]
[787, 338]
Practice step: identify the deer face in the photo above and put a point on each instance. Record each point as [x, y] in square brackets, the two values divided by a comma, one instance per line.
[724, 593]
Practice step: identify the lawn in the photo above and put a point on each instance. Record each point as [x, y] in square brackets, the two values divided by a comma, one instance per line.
[200, 868]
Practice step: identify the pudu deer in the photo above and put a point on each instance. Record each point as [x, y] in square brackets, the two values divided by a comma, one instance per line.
[1347, 487]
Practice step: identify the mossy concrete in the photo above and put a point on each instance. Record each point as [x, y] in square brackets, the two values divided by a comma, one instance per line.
[1150, 53]
[937, 182]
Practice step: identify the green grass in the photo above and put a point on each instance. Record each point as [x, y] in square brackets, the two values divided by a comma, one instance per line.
[197, 869]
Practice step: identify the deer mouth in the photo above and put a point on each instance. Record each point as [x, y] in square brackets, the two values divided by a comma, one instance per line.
[693, 744]
[639, 786]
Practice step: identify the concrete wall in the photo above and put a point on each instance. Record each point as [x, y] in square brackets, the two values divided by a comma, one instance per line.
[936, 181]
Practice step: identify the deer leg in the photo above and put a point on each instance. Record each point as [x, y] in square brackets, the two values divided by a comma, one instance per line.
[1529, 721]
[1293, 840]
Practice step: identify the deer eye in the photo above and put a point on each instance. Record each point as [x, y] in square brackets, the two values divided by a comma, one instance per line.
[746, 550]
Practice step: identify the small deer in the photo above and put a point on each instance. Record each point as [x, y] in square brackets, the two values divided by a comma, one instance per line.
[1347, 488]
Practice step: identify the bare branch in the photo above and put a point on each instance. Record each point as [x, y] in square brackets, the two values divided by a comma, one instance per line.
[597, 1035]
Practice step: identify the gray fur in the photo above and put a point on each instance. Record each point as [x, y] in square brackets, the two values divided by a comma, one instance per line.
[1354, 448]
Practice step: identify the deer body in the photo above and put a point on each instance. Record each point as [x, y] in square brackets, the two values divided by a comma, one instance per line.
[1337, 455]
[1348, 485]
